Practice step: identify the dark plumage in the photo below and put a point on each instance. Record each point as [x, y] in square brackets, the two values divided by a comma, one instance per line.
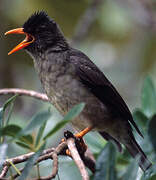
[69, 77]
[47, 35]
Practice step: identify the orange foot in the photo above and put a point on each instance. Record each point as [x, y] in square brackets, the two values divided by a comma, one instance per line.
[80, 144]
[83, 132]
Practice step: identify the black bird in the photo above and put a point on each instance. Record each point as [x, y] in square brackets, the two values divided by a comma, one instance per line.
[69, 77]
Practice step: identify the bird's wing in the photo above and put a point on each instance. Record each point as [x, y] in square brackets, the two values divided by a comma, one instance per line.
[99, 85]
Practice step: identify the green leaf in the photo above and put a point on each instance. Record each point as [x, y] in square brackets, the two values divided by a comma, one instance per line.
[28, 139]
[148, 97]
[152, 177]
[23, 145]
[2, 110]
[122, 161]
[10, 113]
[74, 112]
[3, 152]
[6, 104]
[105, 166]
[94, 141]
[1, 117]
[132, 171]
[36, 121]
[152, 131]
[40, 134]
[58, 126]
[9, 101]
[10, 130]
[30, 163]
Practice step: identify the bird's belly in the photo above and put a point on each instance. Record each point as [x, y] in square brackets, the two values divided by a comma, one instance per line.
[66, 91]
[70, 92]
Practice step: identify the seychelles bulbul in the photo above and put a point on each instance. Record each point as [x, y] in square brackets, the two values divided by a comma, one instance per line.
[69, 77]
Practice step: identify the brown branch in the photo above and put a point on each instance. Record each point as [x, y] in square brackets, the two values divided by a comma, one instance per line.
[55, 164]
[58, 150]
[4, 172]
[86, 21]
[55, 168]
[24, 92]
[76, 157]
[16, 175]
[52, 153]
[54, 156]
[22, 158]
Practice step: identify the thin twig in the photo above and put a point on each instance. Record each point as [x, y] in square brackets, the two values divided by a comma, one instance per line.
[24, 92]
[25, 157]
[76, 157]
[54, 170]
[4, 171]
[55, 164]
[20, 159]
[16, 175]
[50, 153]
[58, 150]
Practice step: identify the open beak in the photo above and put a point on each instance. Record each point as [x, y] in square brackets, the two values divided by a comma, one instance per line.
[28, 40]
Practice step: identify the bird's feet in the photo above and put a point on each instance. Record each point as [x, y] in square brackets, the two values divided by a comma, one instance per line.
[83, 132]
[79, 142]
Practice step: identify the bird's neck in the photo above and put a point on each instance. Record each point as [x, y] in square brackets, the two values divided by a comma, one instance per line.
[60, 45]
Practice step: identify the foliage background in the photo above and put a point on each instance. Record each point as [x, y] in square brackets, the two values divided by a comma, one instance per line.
[121, 41]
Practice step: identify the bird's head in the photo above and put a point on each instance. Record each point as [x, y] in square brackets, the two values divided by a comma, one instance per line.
[41, 33]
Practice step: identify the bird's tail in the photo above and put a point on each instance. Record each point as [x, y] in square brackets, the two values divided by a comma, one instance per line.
[136, 151]
[110, 138]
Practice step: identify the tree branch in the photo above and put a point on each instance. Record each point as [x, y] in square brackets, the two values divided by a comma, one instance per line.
[52, 153]
[76, 157]
[24, 92]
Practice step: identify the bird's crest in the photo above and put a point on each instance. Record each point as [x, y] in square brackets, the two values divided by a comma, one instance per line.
[37, 19]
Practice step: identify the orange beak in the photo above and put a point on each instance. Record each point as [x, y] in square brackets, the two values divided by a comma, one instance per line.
[28, 40]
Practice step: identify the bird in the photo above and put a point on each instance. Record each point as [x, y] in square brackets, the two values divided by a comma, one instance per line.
[69, 77]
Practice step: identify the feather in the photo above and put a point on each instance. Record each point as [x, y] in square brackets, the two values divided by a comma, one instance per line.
[99, 85]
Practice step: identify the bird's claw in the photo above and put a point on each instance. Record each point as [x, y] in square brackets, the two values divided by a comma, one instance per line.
[79, 142]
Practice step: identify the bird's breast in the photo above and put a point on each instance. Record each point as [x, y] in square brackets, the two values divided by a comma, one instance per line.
[60, 83]
[64, 90]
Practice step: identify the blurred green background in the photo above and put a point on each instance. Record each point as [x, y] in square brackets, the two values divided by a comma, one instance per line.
[121, 40]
